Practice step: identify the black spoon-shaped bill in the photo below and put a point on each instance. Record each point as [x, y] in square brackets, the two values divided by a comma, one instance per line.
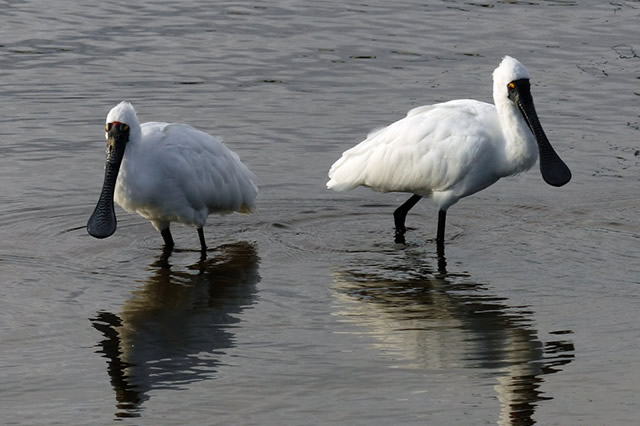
[102, 222]
[554, 171]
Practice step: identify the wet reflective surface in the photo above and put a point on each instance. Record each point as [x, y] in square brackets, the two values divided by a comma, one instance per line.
[167, 335]
[433, 320]
[307, 312]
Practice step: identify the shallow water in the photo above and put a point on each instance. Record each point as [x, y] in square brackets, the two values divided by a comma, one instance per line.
[307, 312]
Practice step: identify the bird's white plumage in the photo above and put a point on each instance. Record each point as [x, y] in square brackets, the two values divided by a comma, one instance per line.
[510, 69]
[175, 173]
[444, 151]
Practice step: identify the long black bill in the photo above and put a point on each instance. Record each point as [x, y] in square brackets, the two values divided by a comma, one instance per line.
[554, 171]
[102, 222]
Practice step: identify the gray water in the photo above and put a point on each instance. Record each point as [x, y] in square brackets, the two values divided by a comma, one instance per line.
[306, 312]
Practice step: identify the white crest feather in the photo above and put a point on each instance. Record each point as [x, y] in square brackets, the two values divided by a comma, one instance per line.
[123, 113]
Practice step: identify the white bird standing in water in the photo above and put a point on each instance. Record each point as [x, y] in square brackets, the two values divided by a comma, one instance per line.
[450, 150]
[168, 173]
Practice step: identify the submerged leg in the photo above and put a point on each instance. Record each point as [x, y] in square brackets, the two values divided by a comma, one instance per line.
[168, 239]
[203, 245]
[442, 219]
[400, 214]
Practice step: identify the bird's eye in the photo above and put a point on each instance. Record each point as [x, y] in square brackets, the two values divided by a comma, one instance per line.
[108, 127]
[511, 86]
[125, 128]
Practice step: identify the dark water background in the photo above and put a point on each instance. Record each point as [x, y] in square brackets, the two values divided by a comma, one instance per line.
[307, 312]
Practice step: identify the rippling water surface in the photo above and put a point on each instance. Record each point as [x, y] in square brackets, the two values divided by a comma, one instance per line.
[307, 312]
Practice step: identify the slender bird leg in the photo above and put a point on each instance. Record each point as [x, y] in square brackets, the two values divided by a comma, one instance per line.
[400, 214]
[163, 260]
[168, 239]
[203, 245]
[442, 219]
[442, 261]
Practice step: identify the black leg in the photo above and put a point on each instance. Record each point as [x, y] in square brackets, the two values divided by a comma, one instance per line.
[168, 239]
[442, 260]
[442, 219]
[400, 214]
[203, 245]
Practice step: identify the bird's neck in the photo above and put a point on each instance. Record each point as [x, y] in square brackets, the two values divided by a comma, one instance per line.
[132, 150]
[135, 135]
[520, 148]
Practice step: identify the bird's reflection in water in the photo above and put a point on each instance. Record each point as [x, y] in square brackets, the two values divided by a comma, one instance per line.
[429, 318]
[175, 326]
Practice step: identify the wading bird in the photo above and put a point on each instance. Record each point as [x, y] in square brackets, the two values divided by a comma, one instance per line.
[450, 150]
[168, 173]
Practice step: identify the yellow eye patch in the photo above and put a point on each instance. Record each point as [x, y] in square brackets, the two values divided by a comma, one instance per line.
[108, 127]
[511, 86]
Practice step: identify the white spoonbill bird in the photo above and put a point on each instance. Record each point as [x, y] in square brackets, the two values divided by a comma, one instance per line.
[168, 173]
[450, 150]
